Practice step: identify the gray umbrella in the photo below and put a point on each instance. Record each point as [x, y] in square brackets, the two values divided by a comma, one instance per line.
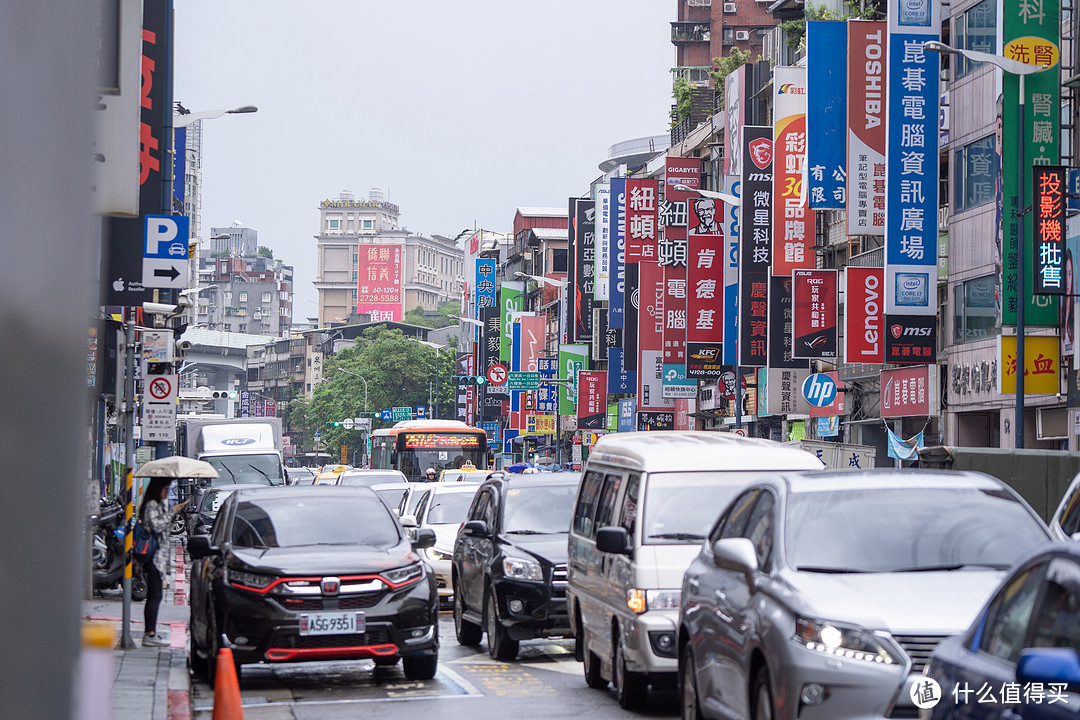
[177, 466]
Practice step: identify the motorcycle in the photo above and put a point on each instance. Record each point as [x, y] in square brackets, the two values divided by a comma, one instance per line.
[107, 551]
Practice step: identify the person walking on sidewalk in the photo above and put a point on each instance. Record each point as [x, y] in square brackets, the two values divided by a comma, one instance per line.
[157, 518]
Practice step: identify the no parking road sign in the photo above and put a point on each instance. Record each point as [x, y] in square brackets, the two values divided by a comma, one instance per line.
[497, 374]
[159, 408]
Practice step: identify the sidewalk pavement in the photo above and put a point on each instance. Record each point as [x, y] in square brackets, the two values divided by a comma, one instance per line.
[150, 683]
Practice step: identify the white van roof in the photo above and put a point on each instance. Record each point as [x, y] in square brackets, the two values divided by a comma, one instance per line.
[660, 451]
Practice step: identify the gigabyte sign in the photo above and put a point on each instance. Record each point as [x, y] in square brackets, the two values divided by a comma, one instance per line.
[359, 204]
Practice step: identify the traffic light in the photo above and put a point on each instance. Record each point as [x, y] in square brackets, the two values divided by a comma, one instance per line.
[223, 395]
[470, 379]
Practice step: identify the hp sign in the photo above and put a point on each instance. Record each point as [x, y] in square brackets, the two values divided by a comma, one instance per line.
[819, 389]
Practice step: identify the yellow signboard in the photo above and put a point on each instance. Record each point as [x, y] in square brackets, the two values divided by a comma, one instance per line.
[539, 424]
[1042, 366]
[344, 455]
[1033, 51]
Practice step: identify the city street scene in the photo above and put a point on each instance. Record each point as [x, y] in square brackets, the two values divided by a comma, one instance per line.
[693, 358]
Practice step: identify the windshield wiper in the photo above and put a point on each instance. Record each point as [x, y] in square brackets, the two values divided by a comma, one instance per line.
[258, 471]
[828, 570]
[677, 536]
[231, 473]
[527, 532]
[947, 567]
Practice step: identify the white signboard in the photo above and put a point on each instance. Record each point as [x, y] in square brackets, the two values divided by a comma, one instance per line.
[165, 251]
[159, 408]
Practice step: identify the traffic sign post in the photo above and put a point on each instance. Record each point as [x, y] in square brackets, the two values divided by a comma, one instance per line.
[497, 374]
[159, 409]
[165, 251]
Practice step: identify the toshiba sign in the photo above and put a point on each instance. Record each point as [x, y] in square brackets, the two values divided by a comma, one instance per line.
[864, 315]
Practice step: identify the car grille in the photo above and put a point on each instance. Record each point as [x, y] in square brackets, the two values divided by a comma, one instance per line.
[374, 636]
[300, 603]
[352, 602]
[341, 602]
[918, 648]
[558, 581]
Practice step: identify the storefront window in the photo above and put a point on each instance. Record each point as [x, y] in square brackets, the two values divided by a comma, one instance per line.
[975, 309]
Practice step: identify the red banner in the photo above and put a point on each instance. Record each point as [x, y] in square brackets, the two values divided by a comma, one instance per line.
[379, 275]
[533, 339]
[793, 221]
[911, 391]
[641, 219]
[866, 127]
[864, 315]
[815, 299]
[592, 400]
[651, 318]
[705, 289]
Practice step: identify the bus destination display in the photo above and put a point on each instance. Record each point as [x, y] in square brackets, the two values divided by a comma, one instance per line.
[440, 440]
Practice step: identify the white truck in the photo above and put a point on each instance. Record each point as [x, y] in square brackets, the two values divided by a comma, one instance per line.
[243, 450]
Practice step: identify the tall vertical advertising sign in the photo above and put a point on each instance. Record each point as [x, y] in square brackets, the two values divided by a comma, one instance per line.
[866, 127]
[616, 272]
[755, 245]
[631, 308]
[793, 221]
[826, 114]
[642, 225]
[650, 340]
[125, 236]
[864, 315]
[1049, 185]
[379, 282]
[485, 288]
[592, 400]
[510, 299]
[581, 291]
[735, 108]
[911, 240]
[815, 294]
[781, 325]
[568, 306]
[572, 360]
[705, 306]
[733, 185]
[603, 227]
[1031, 35]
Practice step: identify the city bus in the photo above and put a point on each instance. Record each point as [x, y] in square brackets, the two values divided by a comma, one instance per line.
[412, 446]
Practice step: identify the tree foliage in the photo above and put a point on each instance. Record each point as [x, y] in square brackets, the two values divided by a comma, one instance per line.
[265, 252]
[724, 66]
[417, 316]
[795, 30]
[398, 372]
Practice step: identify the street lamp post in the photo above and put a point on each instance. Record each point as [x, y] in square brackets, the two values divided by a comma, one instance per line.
[1021, 70]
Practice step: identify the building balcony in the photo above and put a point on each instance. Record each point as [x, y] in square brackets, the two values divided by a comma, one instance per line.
[696, 75]
[691, 32]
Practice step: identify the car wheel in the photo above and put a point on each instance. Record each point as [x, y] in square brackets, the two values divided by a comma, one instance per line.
[500, 645]
[631, 689]
[139, 588]
[591, 663]
[197, 663]
[691, 708]
[763, 697]
[420, 667]
[179, 525]
[468, 633]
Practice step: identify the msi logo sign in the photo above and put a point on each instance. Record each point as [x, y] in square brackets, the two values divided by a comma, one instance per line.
[761, 152]
[898, 330]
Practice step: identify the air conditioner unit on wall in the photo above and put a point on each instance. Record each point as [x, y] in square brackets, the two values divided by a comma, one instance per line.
[729, 7]
[742, 34]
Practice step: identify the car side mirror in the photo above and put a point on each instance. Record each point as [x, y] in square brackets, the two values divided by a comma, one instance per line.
[1049, 665]
[424, 538]
[736, 555]
[613, 540]
[408, 521]
[475, 528]
[198, 546]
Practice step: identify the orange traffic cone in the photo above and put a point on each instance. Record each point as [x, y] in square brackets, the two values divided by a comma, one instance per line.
[227, 705]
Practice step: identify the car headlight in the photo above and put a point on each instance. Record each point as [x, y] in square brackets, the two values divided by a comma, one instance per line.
[402, 575]
[522, 569]
[843, 641]
[641, 600]
[434, 555]
[245, 579]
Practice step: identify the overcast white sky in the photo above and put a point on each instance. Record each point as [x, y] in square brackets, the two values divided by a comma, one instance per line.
[460, 111]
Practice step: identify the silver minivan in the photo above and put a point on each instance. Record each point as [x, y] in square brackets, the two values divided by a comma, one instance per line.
[645, 503]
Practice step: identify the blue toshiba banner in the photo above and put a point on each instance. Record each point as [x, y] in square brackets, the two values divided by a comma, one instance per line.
[826, 114]
[617, 270]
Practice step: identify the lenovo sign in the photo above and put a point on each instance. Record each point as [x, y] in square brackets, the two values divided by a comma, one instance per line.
[864, 315]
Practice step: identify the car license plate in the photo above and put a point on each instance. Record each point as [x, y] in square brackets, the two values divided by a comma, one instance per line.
[342, 623]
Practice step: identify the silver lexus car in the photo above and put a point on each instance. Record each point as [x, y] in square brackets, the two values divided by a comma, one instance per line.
[821, 595]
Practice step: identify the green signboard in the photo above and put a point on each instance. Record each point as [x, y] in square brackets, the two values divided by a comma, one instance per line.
[1030, 34]
[524, 381]
[571, 359]
[402, 413]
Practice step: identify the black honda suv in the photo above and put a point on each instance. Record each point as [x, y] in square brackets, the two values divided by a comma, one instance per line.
[312, 573]
[509, 565]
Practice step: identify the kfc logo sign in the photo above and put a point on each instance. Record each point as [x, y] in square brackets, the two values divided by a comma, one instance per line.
[761, 152]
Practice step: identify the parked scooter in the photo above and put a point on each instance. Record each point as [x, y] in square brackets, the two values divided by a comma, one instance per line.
[107, 551]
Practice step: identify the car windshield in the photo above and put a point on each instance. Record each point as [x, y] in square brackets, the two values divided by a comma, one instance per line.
[680, 508]
[367, 479]
[448, 508]
[907, 530]
[314, 520]
[237, 469]
[212, 500]
[393, 497]
[539, 510]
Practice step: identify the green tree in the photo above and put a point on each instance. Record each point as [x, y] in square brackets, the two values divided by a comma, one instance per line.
[795, 30]
[417, 316]
[399, 373]
[724, 66]
[265, 252]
